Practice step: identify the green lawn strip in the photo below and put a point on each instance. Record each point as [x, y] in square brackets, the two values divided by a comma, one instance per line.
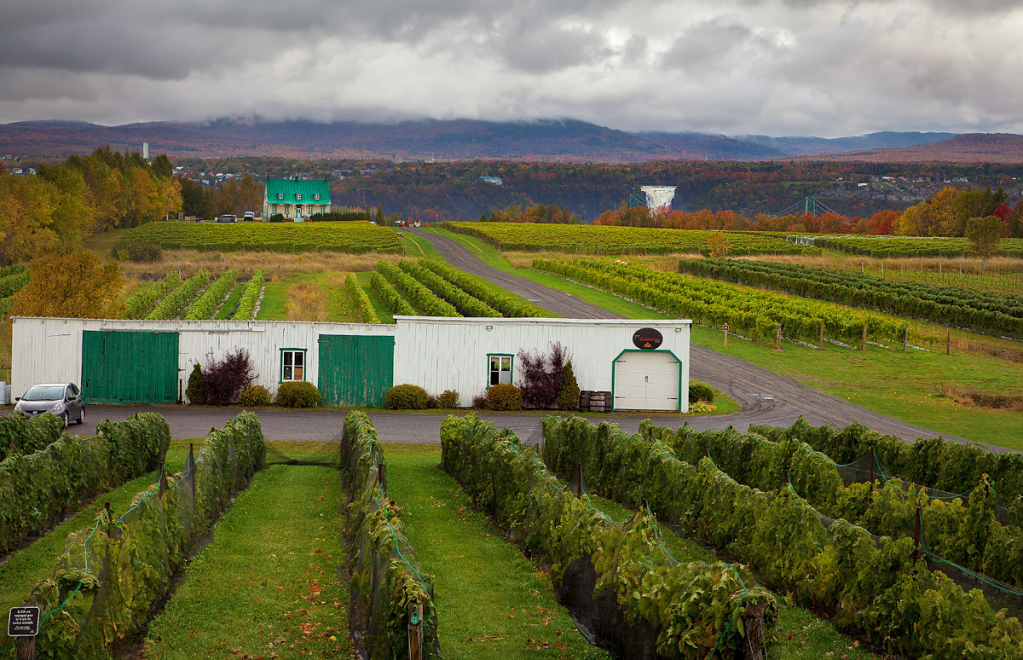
[36, 562]
[417, 246]
[227, 308]
[102, 242]
[275, 299]
[800, 632]
[267, 584]
[383, 313]
[492, 602]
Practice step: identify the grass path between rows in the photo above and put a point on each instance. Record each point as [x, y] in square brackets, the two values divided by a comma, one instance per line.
[36, 562]
[907, 386]
[267, 586]
[492, 602]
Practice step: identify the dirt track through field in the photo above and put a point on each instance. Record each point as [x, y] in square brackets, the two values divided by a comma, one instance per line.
[765, 397]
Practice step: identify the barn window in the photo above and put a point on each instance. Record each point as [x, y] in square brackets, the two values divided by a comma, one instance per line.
[280, 195]
[298, 196]
[292, 365]
[500, 370]
[316, 197]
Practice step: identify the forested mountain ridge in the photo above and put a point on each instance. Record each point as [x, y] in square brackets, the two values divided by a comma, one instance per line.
[462, 139]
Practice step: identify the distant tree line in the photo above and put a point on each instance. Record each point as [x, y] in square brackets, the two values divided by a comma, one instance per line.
[63, 203]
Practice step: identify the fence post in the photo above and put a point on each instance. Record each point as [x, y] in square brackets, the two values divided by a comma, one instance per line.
[905, 339]
[163, 482]
[25, 649]
[579, 480]
[726, 335]
[821, 347]
[916, 535]
[948, 341]
[415, 631]
[872, 469]
[777, 339]
[863, 338]
[191, 471]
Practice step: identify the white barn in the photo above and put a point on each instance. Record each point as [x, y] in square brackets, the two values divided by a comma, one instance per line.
[644, 364]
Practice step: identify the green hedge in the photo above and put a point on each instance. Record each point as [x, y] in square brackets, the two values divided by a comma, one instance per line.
[11, 284]
[23, 435]
[110, 575]
[384, 574]
[36, 488]
[366, 312]
[145, 298]
[466, 304]
[934, 462]
[393, 301]
[691, 610]
[507, 305]
[964, 308]
[747, 311]
[250, 296]
[424, 299]
[174, 302]
[838, 570]
[206, 305]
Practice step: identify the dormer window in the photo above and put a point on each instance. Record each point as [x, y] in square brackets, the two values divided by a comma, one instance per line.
[298, 196]
[316, 197]
[280, 195]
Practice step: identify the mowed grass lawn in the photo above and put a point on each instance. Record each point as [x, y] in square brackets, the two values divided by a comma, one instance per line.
[907, 386]
[492, 602]
[268, 585]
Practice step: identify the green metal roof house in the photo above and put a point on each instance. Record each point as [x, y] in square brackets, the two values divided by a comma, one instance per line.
[296, 199]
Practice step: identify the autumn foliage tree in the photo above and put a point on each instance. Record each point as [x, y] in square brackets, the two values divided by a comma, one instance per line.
[70, 285]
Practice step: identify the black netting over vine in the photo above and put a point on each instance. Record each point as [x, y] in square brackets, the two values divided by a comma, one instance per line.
[306, 452]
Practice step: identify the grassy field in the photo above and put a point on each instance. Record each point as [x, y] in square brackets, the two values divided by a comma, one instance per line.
[908, 386]
[267, 586]
[493, 602]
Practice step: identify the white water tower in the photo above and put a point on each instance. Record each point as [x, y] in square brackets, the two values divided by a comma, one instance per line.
[658, 197]
[145, 151]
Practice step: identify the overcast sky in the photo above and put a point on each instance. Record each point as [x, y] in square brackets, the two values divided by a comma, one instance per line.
[775, 67]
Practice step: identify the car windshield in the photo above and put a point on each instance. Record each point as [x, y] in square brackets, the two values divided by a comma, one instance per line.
[44, 393]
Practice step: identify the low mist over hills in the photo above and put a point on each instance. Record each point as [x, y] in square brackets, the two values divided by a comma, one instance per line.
[558, 141]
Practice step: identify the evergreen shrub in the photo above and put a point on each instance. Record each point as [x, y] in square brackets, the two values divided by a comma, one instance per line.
[406, 397]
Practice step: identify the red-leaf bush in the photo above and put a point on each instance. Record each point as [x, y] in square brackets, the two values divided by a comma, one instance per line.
[542, 376]
[223, 381]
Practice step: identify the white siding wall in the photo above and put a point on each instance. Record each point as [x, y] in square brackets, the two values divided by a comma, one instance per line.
[50, 350]
[451, 354]
[436, 354]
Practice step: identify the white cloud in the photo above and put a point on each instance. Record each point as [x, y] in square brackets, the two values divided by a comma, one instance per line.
[780, 67]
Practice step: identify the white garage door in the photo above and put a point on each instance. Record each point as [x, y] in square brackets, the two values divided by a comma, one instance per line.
[646, 380]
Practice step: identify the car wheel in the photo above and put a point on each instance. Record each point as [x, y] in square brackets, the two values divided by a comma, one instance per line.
[81, 418]
[64, 418]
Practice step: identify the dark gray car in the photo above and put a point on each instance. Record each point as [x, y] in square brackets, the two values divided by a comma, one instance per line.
[61, 399]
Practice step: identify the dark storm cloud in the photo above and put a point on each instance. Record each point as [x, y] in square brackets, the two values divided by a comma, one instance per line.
[733, 66]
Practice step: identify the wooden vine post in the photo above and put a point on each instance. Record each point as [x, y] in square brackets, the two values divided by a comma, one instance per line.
[579, 481]
[863, 338]
[821, 345]
[905, 339]
[415, 631]
[25, 648]
[777, 339]
[725, 329]
[948, 341]
[916, 535]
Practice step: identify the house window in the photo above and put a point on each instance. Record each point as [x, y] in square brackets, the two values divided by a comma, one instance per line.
[316, 197]
[500, 370]
[292, 365]
[280, 195]
[298, 196]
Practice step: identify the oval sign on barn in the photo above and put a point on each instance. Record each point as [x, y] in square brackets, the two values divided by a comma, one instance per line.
[647, 339]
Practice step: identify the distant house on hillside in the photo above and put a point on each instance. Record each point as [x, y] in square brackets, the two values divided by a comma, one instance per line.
[295, 200]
